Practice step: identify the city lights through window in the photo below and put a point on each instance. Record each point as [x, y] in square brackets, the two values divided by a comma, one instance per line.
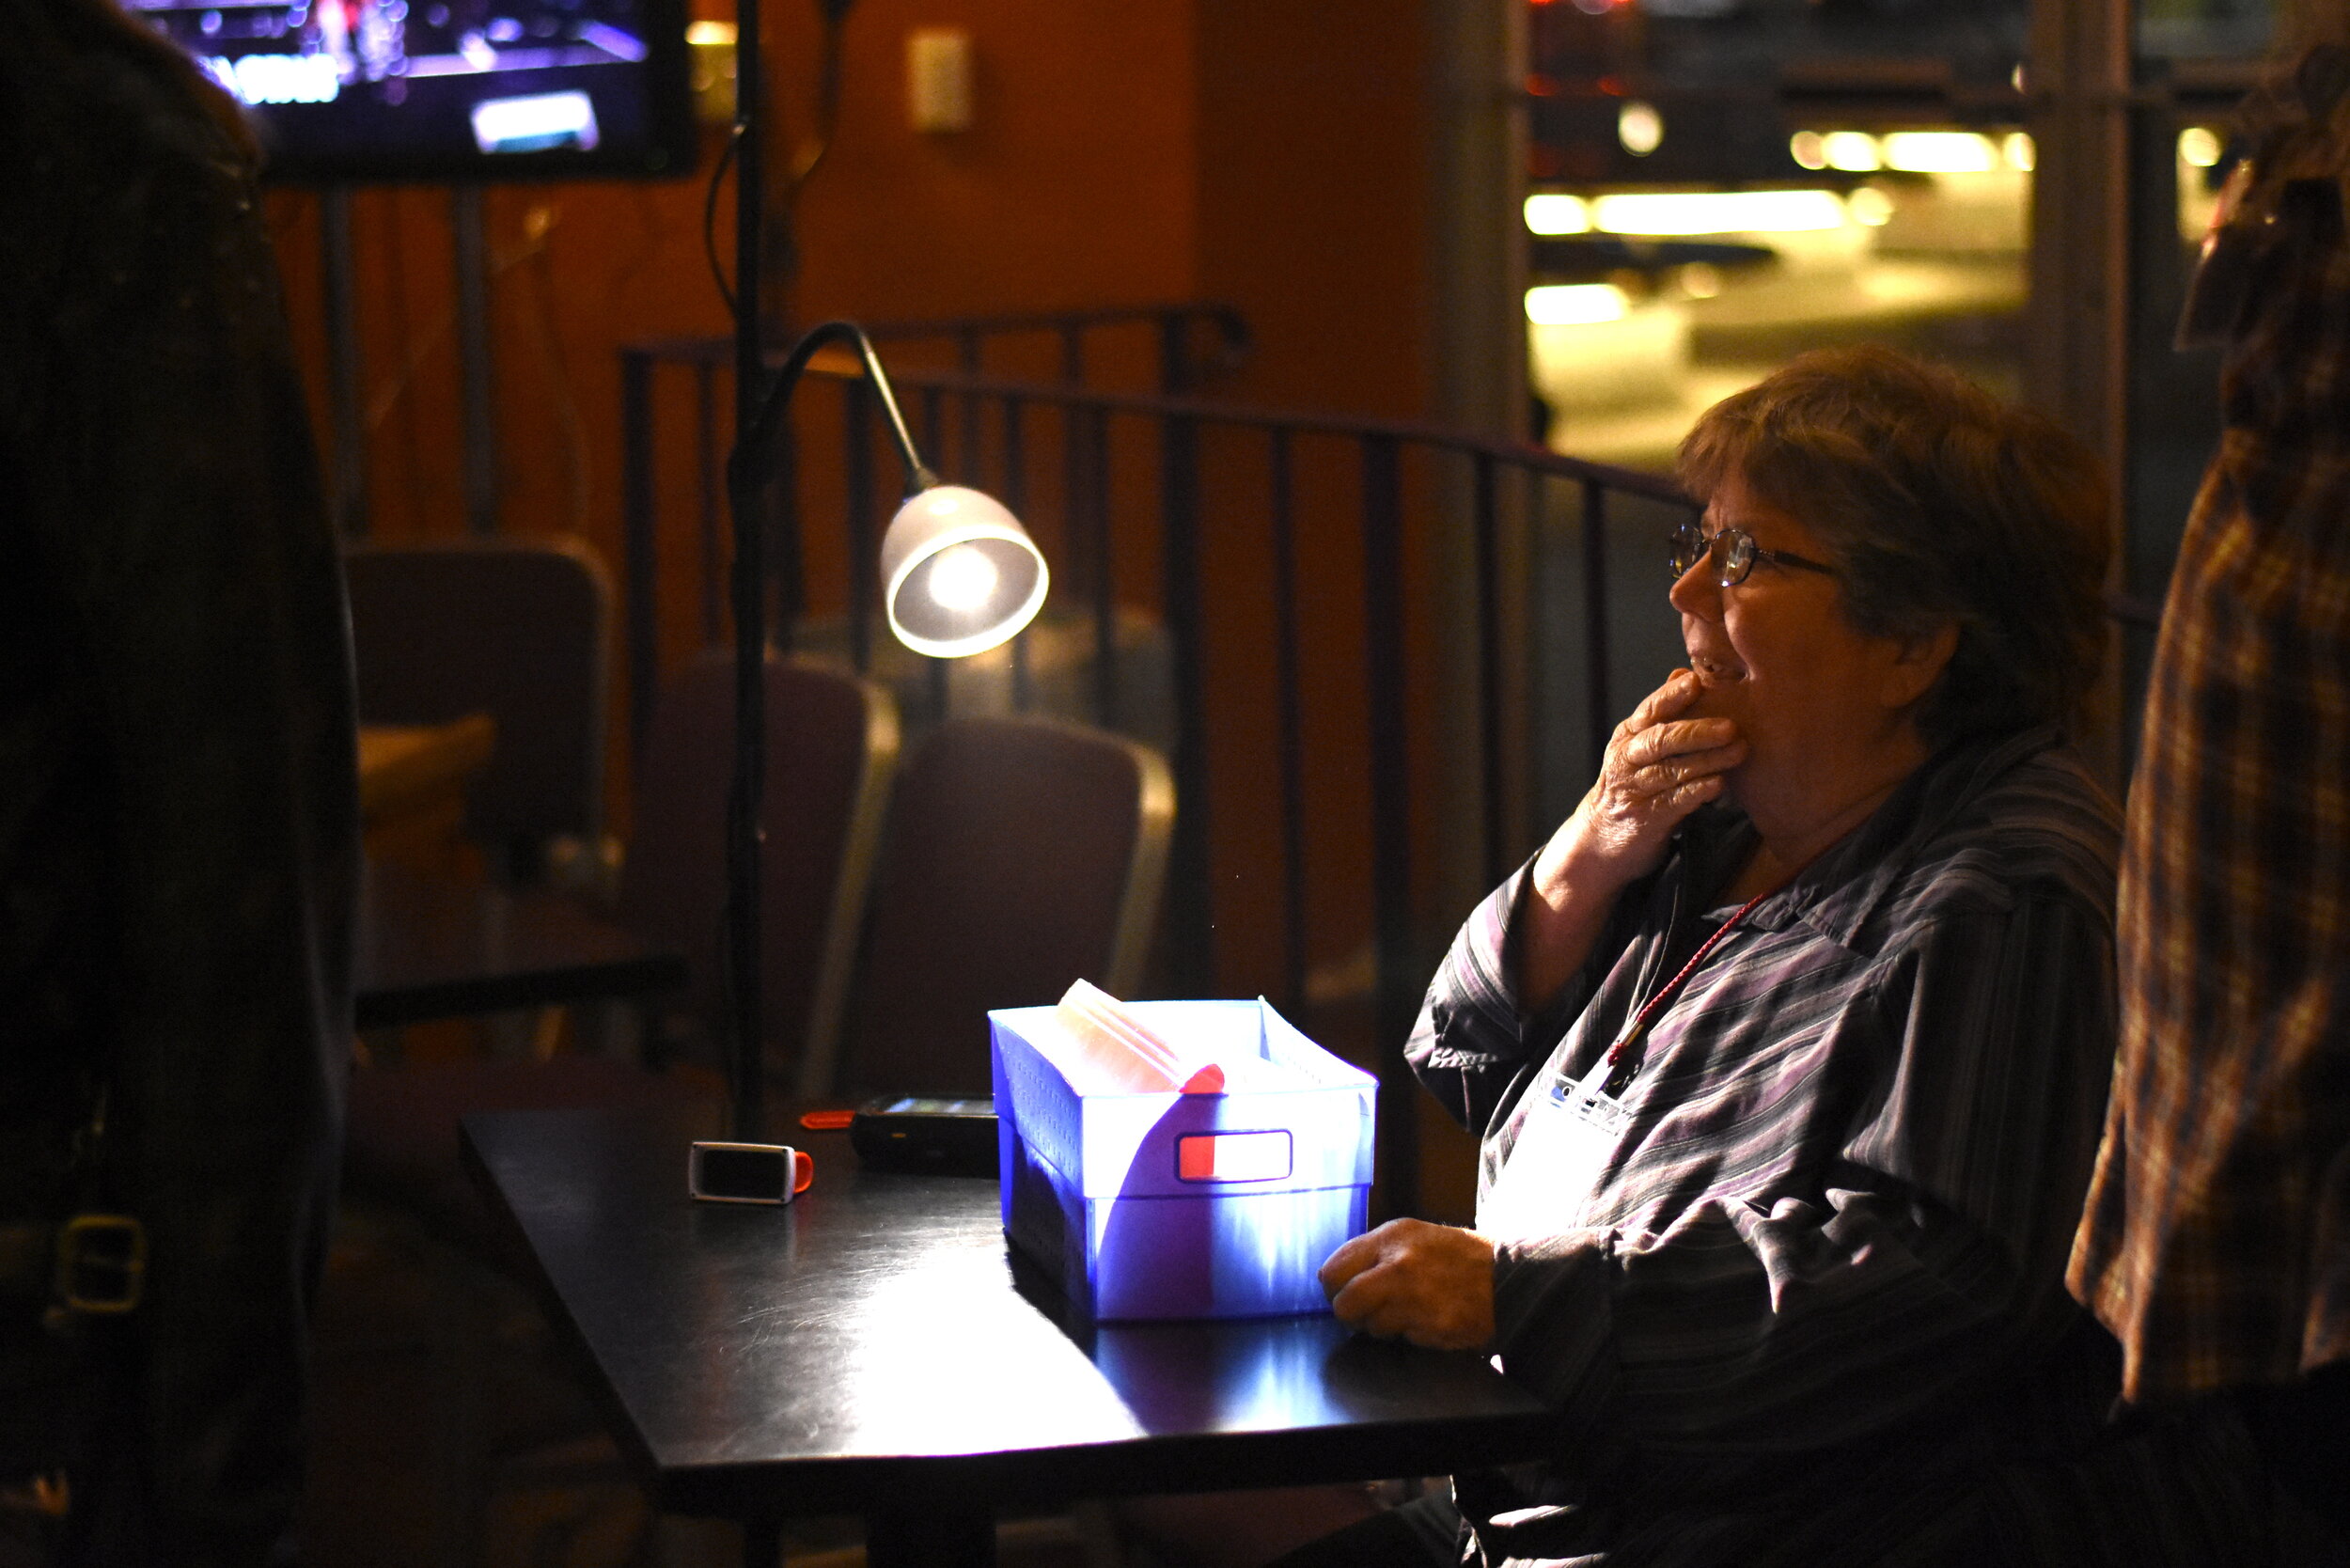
[1852, 151]
[1687, 213]
[2199, 147]
[1641, 128]
[1648, 301]
[1939, 153]
[1557, 214]
[1575, 304]
[1910, 152]
[1717, 213]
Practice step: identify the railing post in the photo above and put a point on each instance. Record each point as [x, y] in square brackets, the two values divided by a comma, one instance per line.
[970, 357]
[640, 591]
[1016, 497]
[1485, 524]
[1532, 613]
[1232, 336]
[1192, 913]
[338, 273]
[712, 482]
[1598, 720]
[1015, 474]
[1174, 345]
[1090, 482]
[856, 465]
[935, 421]
[476, 379]
[1397, 997]
[785, 569]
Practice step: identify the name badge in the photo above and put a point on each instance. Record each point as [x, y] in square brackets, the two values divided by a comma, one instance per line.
[1561, 1154]
[1588, 1102]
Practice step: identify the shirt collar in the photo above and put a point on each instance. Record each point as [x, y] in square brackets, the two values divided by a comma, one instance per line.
[1836, 894]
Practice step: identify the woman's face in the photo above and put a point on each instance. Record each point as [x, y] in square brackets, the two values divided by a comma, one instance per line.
[1825, 709]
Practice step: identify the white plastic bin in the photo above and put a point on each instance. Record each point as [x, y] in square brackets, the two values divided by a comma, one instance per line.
[1168, 1205]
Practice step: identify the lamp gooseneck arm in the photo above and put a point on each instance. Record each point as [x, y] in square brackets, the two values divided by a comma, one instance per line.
[749, 462]
[918, 475]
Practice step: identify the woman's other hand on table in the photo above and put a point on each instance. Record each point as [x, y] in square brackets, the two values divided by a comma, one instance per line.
[1408, 1279]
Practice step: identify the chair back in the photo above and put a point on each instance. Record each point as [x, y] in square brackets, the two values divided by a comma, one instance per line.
[1022, 853]
[832, 748]
[519, 629]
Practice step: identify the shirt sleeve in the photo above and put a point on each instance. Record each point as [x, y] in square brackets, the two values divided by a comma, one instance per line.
[1473, 1040]
[1919, 1247]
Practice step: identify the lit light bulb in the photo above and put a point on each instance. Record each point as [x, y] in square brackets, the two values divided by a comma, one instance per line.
[963, 578]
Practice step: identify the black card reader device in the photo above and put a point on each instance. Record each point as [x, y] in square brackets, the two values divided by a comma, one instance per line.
[920, 1133]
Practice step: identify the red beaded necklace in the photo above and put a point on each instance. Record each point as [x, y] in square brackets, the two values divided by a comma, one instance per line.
[1672, 988]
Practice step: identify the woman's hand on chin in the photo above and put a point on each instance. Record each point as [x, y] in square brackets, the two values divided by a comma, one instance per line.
[1659, 767]
[1408, 1279]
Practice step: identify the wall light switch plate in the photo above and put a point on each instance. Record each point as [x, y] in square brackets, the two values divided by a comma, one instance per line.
[938, 78]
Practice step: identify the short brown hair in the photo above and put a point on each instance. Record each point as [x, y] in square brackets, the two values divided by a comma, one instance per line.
[1935, 502]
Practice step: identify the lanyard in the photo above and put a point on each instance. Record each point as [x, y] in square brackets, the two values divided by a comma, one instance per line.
[1672, 988]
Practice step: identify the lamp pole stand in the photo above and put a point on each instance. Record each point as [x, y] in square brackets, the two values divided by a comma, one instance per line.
[749, 469]
[936, 519]
[743, 801]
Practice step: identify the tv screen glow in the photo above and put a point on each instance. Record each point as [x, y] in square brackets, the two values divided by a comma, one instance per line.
[449, 89]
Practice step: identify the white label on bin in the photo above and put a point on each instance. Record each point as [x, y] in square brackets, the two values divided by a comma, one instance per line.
[1233, 1156]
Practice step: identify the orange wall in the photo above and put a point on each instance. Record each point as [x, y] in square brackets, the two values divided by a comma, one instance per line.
[1313, 196]
[1074, 187]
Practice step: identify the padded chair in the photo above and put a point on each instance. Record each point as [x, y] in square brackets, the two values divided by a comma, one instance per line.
[520, 629]
[1022, 853]
[832, 751]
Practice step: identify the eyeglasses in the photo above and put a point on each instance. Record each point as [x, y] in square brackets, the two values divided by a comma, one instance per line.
[1733, 552]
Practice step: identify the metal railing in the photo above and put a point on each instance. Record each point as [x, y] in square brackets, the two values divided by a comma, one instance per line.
[1420, 550]
[1175, 330]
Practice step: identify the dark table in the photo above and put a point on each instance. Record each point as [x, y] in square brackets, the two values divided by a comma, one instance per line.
[872, 1350]
[429, 948]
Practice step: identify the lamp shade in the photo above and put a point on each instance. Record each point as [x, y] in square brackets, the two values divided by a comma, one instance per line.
[958, 573]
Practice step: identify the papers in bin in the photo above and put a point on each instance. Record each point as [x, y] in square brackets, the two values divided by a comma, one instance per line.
[1102, 1047]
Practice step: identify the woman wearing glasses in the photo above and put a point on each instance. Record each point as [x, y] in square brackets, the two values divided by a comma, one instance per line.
[1789, 1047]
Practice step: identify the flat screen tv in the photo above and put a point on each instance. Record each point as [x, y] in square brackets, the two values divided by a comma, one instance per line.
[449, 89]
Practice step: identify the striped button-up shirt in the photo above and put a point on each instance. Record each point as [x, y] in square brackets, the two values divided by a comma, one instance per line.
[1800, 1299]
[2218, 1242]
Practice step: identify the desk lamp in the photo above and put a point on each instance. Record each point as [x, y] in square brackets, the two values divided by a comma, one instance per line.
[960, 575]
